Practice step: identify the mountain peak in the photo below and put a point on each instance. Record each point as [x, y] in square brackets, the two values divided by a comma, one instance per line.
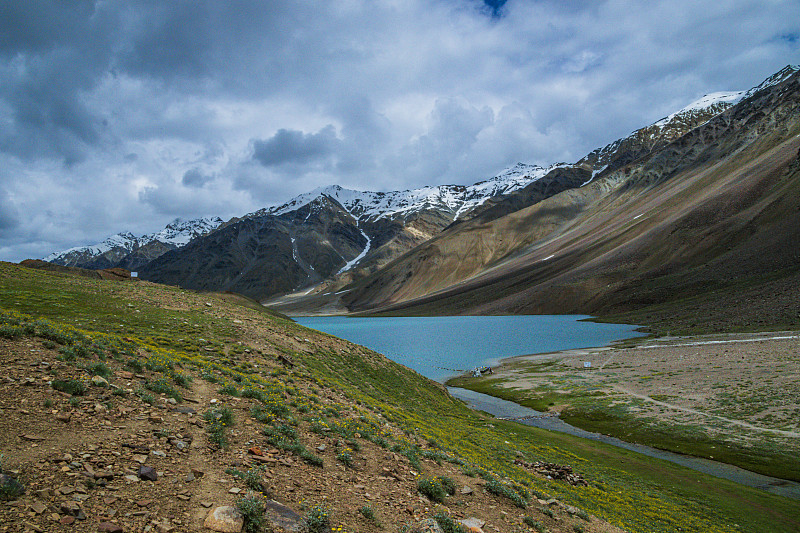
[455, 199]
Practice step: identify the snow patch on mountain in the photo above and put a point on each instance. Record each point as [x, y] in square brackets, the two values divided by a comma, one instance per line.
[722, 100]
[457, 199]
[178, 233]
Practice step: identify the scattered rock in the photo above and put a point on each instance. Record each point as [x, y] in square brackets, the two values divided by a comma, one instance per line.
[466, 490]
[148, 473]
[473, 524]
[429, 525]
[109, 527]
[555, 471]
[99, 381]
[281, 516]
[225, 519]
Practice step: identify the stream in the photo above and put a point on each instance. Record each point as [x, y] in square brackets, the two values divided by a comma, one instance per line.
[511, 411]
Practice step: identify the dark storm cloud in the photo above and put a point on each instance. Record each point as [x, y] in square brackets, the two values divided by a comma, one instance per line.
[295, 147]
[195, 178]
[9, 217]
[121, 115]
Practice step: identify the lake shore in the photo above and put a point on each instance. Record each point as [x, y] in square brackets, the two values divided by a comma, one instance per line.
[733, 398]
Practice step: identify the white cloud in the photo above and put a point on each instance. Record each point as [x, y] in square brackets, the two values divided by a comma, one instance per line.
[124, 115]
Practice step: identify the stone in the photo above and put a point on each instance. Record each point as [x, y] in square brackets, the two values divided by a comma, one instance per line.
[225, 519]
[281, 516]
[473, 524]
[255, 450]
[141, 459]
[63, 417]
[109, 527]
[466, 490]
[67, 520]
[124, 374]
[70, 508]
[38, 507]
[99, 381]
[429, 525]
[148, 473]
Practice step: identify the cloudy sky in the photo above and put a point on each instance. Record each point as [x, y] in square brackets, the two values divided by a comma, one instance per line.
[123, 115]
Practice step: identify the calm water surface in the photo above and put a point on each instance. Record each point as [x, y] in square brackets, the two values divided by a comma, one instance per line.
[440, 347]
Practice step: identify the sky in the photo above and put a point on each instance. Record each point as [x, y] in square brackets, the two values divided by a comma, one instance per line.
[124, 115]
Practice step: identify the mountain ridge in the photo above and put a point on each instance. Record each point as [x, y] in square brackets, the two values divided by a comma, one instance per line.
[333, 236]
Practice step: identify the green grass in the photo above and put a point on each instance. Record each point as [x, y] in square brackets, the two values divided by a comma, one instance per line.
[591, 411]
[631, 491]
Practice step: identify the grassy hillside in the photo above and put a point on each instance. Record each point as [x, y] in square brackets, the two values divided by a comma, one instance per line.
[353, 434]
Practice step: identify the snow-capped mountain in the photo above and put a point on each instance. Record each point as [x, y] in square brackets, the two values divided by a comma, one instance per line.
[455, 199]
[114, 249]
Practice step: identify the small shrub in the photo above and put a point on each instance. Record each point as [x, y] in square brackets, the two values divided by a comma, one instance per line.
[345, 457]
[218, 419]
[182, 380]
[48, 403]
[66, 354]
[252, 508]
[583, 515]
[10, 487]
[368, 513]
[251, 392]
[230, 390]
[99, 369]
[252, 478]
[578, 528]
[317, 520]
[134, 365]
[163, 386]
[432, 489]
[72, 387]
[447, 524]
[501, 489]
[535, 524]
[145, 396]
[10, 332]
[448, 484]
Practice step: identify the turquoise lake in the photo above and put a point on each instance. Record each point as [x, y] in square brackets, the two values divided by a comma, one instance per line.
[441, 347]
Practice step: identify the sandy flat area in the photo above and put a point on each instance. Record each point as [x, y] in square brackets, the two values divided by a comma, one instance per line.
[746, 386]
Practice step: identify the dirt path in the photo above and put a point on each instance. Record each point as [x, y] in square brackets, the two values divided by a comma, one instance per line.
[647, 398]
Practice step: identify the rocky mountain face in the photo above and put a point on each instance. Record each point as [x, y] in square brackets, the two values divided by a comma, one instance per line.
[706, 221]
[331, 234]
[366, 250]
[131, 252]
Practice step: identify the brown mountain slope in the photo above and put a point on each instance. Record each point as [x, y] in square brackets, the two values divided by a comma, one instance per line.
[713, 213]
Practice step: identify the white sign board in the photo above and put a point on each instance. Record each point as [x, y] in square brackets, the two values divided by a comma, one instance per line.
[587, 364]
[134, 274]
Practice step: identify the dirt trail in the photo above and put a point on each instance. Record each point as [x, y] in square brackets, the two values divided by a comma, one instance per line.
[647, 398]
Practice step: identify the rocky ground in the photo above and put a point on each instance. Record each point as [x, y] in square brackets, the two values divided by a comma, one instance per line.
[106, 460]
